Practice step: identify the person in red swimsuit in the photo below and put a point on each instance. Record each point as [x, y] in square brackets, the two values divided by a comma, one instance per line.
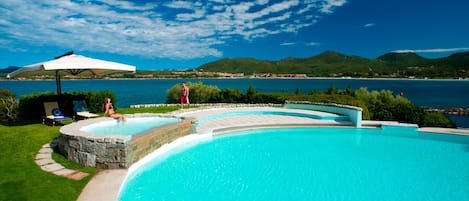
[184, 95]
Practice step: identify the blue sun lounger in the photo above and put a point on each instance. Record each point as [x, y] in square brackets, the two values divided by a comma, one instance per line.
[53, 113]
[81, 110]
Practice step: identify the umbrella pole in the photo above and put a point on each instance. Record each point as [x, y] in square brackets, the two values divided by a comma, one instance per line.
[57, 82]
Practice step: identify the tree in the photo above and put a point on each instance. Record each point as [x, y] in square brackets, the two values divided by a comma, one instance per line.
[297, 91]
[332, 90]
[250, 93]
[231, 96]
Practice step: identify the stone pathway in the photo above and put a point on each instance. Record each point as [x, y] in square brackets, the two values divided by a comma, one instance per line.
[45, 161]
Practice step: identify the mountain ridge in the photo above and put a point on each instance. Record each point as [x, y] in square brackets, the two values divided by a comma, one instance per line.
[331, 63]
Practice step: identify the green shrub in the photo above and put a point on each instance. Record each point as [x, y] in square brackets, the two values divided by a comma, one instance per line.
[230, 96]
[95, 100]
[407, 112]
[198, 93]
[437, 120]
[384, 106]
[267, 98]
[8, 106]
[321, 97]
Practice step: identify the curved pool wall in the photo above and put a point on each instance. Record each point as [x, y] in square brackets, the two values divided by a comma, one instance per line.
[117, 151]
[354, 113]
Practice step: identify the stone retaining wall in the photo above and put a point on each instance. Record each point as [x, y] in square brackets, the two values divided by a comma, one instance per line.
[145, 143]
[101, 152]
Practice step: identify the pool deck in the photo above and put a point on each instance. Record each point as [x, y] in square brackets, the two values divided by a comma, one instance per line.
[106, 184]
[249, 118]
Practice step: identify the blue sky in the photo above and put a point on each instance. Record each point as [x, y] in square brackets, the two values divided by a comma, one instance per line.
[185, 34]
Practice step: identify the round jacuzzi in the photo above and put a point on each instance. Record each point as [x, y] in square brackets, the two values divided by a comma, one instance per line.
[107, 143]
[130, 127]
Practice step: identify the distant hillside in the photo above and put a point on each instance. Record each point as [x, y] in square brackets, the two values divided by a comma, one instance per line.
[328, 61]
[9, 69]
[326, 64]
[455, 61]
[331, 63]
[240, 65]
[403, 59]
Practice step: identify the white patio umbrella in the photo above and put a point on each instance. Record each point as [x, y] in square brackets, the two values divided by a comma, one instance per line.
[74, 64]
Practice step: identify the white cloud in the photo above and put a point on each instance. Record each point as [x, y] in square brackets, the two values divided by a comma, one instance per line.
[287, 44]
[313, 44]
[436, 50]
[369, 25]
[198, 13]
[180, 4]
[162, 29]
[128, 5]
[328, 6]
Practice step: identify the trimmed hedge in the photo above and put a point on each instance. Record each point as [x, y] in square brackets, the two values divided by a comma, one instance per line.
[31, 105]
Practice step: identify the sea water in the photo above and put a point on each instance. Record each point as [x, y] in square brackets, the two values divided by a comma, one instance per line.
[310, 164]
[425, 93]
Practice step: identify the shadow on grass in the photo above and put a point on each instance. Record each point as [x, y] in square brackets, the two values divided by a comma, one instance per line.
[13, 190]
[29, 122]
[20, 123]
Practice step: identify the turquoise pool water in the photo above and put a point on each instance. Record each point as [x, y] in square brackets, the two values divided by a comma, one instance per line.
[267, 112]
[133, 125]
[310, 164]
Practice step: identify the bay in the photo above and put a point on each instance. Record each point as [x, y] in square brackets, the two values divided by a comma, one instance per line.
[426, 93]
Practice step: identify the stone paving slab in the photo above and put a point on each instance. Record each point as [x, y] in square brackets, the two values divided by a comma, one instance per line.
[52, 167]
[43, 156]
[63, 172]
[46, 150]
[45, 162]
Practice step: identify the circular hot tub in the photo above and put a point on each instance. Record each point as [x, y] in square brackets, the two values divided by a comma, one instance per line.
[106, 143]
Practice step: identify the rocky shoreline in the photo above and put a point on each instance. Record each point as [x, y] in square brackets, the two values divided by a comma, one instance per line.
[450, 111]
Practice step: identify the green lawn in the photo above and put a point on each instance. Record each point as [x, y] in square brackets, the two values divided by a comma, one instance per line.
[22, 179]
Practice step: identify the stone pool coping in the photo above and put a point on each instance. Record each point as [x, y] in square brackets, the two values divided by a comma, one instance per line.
[106, 184]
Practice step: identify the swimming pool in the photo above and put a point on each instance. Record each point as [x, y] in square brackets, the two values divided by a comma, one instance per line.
[130, 127]
[309, 164]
